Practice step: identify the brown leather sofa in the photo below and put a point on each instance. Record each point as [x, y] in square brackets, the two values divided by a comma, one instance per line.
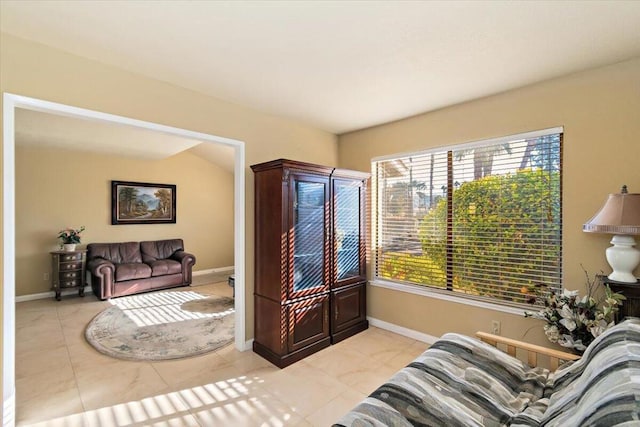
[119, 269]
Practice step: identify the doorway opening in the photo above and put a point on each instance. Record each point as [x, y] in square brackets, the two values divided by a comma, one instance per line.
[11, 103]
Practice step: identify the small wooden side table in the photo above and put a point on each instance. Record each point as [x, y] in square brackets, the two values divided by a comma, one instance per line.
[631, 306]
[68, 271]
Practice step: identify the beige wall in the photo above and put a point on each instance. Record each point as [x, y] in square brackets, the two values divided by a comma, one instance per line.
[59, 188]
[600, 112]
[41, 72]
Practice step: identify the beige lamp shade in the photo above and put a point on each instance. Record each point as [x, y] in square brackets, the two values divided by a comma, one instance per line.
[619, 216]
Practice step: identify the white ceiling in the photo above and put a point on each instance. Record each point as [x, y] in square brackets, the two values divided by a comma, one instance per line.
[338, 65]
[35, 128]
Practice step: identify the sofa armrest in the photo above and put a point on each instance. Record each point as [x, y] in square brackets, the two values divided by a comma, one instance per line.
[184, 257]
[188, 261]
[100, 266]
[102, 277]
[555, 356]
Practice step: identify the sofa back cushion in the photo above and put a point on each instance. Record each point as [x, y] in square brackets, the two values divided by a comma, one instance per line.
[603, 387]
[160, 249]
[117, 253]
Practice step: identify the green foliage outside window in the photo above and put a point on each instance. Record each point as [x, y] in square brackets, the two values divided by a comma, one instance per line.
[504, 227]
[413, 269]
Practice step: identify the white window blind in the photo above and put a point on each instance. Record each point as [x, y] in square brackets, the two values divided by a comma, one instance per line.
[483, 220]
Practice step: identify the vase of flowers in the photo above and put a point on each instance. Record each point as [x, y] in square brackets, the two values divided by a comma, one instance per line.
[69, 238]
[571, 321]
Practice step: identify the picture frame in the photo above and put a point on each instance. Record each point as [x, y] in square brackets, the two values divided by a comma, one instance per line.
[142, 203]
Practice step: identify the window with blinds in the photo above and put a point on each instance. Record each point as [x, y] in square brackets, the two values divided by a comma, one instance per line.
[481, 220]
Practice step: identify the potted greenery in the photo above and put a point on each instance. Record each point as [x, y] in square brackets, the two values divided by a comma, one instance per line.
[70, 237]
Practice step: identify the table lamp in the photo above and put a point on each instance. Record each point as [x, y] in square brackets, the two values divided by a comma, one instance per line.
[619, 216]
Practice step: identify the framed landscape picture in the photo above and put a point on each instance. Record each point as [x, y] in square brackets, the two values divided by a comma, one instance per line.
[142, 203]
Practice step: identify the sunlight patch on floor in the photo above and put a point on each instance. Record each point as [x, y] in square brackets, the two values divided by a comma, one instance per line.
[227, 402]
[162, 308]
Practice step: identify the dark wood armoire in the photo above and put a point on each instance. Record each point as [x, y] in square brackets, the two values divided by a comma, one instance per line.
[310, 277]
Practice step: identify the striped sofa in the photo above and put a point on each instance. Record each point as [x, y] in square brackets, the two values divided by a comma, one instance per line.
[460, 381]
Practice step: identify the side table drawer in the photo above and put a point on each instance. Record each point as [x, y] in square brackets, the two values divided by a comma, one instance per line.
[70, 265]
[71, 257]
[70, 283]
[70, 275]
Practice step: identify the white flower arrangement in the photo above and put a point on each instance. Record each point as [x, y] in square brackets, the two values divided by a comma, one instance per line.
[574, 322]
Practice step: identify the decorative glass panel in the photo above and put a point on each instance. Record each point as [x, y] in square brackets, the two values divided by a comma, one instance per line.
[347, 230]
[308, 234]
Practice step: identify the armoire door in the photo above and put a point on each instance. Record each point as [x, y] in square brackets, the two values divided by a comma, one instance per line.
[308, 321]
[308, 236]
[348, 232]
[348, 307]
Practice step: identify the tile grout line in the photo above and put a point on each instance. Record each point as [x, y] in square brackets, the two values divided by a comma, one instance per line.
[73, 368]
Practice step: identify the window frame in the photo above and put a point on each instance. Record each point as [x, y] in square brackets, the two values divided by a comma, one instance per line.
[444, 293]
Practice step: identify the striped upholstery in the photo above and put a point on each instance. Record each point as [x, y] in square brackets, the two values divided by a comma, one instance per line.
[459, 381]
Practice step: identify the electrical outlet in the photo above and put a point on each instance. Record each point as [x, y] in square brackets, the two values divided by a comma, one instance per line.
[495, 327]
[46, 276]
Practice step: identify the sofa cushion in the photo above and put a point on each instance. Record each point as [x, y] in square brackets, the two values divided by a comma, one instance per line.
[458, 381]
[162, 267]
[132, 271]
[160, 249]
[117, 253]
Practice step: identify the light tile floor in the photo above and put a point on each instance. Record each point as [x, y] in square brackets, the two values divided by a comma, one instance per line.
[62, 381]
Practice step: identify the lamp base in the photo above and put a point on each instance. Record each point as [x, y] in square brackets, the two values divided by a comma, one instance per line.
[623, 258]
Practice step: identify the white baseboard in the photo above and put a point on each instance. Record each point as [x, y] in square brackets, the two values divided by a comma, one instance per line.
[401, 330]
[51, 294]
[213, 271]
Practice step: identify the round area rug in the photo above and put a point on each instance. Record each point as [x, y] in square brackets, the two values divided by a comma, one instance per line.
[162, 326]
